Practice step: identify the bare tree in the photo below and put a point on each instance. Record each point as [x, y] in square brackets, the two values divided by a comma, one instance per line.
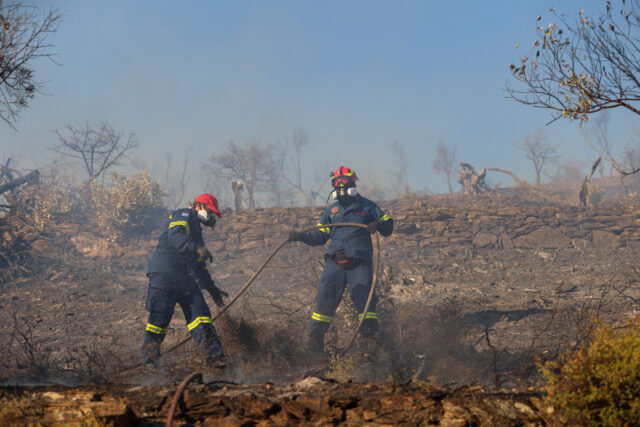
[99, 147]
[401, 169]
[174, 183]
[23, 38]
[631, 153]
[293, 176]
[252, 164]
[597, 137]
[540, 151]
[445, 163]
[578, 68]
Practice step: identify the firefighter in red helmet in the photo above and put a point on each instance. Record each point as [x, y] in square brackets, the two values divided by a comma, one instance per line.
[348, 258]
[177, 272]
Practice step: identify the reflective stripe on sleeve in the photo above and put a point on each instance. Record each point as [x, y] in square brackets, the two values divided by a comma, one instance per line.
[321, 318]
[184, 224]
[324, 230]
[370, 315]
[156, 329]
[384, 217]
[199, 320]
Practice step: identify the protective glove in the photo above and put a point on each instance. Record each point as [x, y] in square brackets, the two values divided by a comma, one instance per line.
[372, 227]
[215, 292]
[295, 236]
[204, 254]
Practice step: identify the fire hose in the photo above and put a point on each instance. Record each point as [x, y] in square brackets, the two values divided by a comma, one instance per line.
[264, 264]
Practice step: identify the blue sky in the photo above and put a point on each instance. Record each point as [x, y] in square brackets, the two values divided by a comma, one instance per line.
[355, 75]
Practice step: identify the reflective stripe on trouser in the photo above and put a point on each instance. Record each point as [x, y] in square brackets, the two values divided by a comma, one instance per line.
[321, 318]
[164, 293]
[156, 329]
[370, 315]
[333, 281]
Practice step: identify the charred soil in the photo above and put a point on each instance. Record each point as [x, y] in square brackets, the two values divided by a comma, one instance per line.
[473, 292]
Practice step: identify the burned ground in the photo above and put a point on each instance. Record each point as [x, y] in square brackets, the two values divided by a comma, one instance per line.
[472, 293]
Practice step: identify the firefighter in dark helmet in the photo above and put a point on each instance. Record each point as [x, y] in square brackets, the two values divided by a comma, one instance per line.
[177, 271]
[349, 257]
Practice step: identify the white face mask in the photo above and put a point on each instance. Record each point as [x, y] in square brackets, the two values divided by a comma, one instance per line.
[204, 216]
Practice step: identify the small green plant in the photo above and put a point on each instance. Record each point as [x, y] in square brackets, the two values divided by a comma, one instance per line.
[599, 383]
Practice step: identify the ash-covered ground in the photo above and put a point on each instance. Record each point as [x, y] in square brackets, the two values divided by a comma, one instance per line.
[473, 292]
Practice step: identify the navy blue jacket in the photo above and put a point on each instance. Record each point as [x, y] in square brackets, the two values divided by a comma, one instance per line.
[176, 254]
[355, 241]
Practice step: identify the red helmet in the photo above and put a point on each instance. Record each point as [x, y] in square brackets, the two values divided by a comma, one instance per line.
[210, 202]
[344, 177]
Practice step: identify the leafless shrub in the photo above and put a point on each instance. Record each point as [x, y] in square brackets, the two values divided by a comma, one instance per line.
[101, 361]
[99, 147]
[26, 353]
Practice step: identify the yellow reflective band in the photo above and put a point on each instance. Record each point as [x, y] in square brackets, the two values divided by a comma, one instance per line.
[370, 315]
[156, 329]
[324, 230]
[198, 321]
[321, 318]
[184, 224]
[384, 217]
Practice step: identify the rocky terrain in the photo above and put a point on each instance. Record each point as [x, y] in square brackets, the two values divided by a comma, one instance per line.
[472, 293]
[310, 401]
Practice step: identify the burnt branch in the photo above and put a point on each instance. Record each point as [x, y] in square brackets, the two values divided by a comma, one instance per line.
[31, 177]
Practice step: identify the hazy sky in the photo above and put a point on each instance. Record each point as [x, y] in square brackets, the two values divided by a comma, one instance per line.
[356, 75]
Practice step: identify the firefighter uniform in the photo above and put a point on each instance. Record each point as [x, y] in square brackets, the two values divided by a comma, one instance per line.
[175, 273]
[348, 260]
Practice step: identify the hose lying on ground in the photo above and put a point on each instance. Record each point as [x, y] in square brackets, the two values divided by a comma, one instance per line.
[264, 264]
[195, 376]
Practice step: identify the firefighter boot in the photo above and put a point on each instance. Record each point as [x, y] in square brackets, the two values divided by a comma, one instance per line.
[151, 348]
[316, 343]
[211, 348]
